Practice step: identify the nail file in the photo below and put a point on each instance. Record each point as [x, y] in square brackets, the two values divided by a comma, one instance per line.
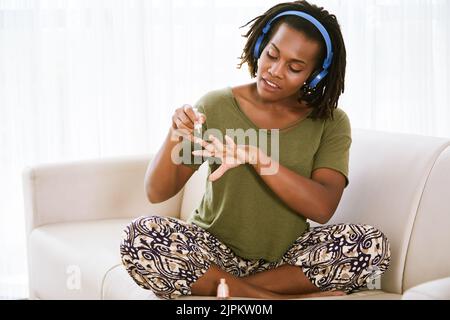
[197, 125]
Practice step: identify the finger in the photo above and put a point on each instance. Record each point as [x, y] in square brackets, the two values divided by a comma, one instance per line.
[180, 125]
[185, 119]
[211, 148]
[218, 173]
[176, 121]
[217, 143]
[189, 113]
[203, 153]
[231, 148]
[201, 142]
[208, 146]
[229, 141]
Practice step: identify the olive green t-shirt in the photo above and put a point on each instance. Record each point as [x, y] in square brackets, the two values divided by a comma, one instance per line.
[239, 208]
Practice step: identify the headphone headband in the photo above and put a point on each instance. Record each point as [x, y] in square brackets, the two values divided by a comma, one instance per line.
[318, 25]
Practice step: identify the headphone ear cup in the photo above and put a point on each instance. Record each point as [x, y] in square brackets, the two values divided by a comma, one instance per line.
[261, 43]
[311, 89]
[307, 89]
[257, 48]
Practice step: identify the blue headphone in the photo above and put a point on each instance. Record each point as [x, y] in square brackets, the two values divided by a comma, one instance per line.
[316, 77]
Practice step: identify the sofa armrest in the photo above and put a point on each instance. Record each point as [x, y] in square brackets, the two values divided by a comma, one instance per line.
[90, 190]
[431, 290]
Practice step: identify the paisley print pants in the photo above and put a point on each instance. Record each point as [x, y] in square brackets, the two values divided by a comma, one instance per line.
[167, 255]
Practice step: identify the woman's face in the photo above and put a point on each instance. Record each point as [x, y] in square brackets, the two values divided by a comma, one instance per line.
[287, 61]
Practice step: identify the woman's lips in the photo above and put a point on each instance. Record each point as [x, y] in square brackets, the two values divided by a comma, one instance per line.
[269, 87]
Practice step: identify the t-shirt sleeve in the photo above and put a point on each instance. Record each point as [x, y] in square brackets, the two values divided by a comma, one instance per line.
[334, 149]
[187, 158]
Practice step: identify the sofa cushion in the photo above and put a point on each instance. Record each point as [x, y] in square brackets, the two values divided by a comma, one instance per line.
[70, 260]
[61, 252]
[431, 290]
[118, 285]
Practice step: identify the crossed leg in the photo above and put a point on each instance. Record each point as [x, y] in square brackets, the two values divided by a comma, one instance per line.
[284, 282]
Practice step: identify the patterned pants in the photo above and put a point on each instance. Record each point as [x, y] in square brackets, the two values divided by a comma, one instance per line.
[167, 255]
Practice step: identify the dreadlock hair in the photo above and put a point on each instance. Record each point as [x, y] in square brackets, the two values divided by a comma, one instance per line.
[326, 96]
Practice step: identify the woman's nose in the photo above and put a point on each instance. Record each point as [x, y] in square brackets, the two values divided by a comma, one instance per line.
[275, 70]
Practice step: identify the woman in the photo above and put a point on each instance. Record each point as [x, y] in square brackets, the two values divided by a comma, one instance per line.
[251, 226]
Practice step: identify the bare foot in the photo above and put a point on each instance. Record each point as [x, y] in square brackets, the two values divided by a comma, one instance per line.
[319, 294]
[263, 294]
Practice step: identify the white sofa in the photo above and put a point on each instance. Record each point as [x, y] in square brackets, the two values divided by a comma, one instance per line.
[75, 214]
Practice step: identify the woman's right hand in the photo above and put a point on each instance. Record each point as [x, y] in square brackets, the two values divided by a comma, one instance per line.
[184, 119]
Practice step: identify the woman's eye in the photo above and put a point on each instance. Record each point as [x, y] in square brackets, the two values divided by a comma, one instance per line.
[272, 57]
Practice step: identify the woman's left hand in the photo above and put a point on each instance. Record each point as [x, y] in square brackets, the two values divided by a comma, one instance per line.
[232, 155]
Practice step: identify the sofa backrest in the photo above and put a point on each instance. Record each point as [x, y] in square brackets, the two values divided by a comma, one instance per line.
[194, 190]
[389, 175]
[90, 190]
[428, 254]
